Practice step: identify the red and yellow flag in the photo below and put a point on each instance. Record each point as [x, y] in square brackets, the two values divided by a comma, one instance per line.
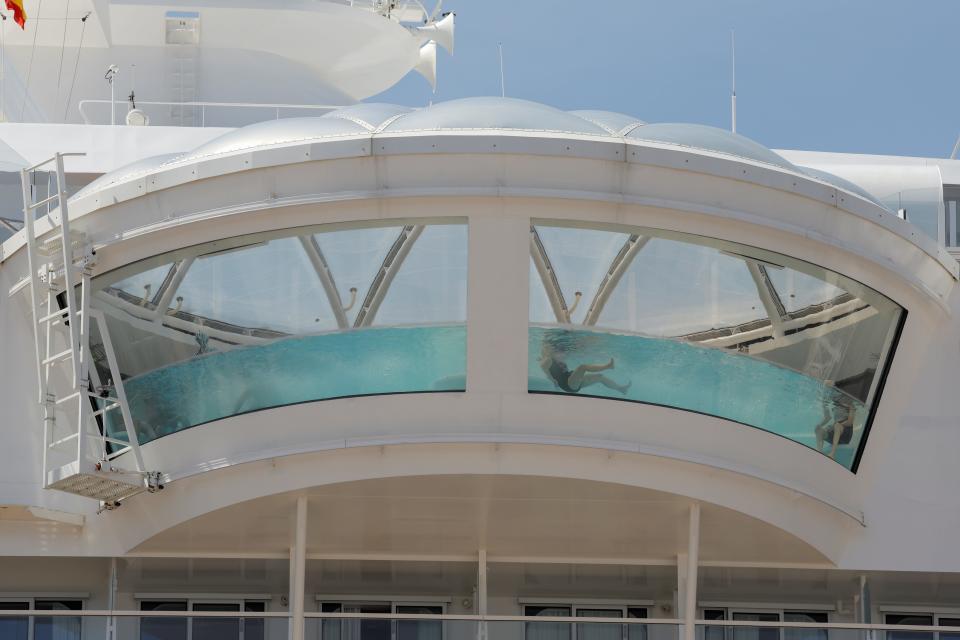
[19, 14]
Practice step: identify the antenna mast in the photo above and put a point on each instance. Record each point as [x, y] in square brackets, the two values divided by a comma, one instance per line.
[503, 87]
[733, 81]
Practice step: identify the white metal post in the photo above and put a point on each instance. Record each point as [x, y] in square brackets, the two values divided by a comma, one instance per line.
[693, 559]
[112, 601]
[482, 593]
[298, 569]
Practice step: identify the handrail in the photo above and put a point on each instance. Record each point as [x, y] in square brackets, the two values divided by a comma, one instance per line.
[277, 106]
[860, 626]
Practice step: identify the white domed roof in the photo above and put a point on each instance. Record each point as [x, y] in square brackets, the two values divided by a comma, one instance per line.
[470, 115]
[698, 136]
[494, 113]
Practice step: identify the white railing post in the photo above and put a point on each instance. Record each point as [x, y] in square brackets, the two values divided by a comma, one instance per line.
[693, 560]
[482, 594]
[298, 562]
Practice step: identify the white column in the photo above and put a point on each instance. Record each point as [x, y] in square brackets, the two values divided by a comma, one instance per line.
[112, 600]
[498, 300]
[298, 571]
[693, 560]
[482, 593]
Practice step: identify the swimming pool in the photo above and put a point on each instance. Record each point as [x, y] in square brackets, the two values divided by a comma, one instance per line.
[717, 382]
[300, 369]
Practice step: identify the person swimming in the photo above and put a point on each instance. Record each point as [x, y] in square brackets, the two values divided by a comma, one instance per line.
[584, 375]
[836, 426]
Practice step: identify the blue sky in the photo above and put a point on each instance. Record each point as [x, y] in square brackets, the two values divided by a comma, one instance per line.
[866, 76]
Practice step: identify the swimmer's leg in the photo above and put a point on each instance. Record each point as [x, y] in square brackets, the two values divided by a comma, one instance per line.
[592, 378]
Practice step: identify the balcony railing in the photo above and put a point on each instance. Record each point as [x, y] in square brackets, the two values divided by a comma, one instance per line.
[119, 109]
[130, 625]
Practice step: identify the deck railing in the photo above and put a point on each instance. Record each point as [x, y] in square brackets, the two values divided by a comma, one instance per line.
[276, 108]
[126, 625]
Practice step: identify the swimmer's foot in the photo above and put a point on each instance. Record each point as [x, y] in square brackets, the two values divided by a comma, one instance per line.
[625, 387]
[611, 364]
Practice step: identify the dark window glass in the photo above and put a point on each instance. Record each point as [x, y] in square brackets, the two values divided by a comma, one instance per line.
[637, 631]
[60, 627]
[710, 632]
[163, 628]
[949, 622]
[253, 628]
[14, 628]
[330, 629]
[420, 629]
[819, 617]
[909, 619]
[599, 630]
[547, 630]
[216, 628]
[756, 633]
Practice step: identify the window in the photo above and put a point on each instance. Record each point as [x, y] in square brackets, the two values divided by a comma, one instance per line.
[922, 619]
[711, 327]
[547, 630]
[764, 633]
[177, 628]
[909, 619]
[585, 630]
[346, 629]
[60, 627]
[44, 627]
[320, 313]
[14, 628]
[820, 617]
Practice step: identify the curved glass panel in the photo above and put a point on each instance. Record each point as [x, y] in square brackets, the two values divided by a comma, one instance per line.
[262, 321]
[711, 327]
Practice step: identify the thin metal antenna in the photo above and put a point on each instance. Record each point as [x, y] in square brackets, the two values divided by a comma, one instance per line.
[503, 86]
[733, 81]
[956, 149]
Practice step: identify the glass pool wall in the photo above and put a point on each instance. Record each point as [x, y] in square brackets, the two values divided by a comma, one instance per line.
[264, 321]
[716, 328]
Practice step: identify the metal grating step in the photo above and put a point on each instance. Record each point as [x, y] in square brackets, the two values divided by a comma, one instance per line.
[99, 485]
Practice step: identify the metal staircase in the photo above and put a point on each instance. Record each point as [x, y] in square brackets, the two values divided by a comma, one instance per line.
[86, 421]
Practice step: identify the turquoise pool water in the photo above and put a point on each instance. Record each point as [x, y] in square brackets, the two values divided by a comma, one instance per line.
[302, 369]
[718, 382]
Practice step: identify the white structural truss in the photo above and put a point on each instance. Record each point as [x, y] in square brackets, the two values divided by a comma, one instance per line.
[86, 420]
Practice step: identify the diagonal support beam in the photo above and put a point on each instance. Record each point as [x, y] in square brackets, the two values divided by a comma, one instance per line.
[768, 296]
[549, 277]
[388, 271]
[618, 267]
[169, 287]
[320, 265]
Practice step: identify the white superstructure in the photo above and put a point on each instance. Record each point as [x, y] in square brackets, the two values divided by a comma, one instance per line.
[481, 369]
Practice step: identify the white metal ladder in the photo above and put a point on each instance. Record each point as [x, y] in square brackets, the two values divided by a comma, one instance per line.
[78, 410]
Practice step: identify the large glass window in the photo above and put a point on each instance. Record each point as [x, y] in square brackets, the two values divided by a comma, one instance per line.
[44, 627]
[261, 321]
[708, 326]
[381, 629]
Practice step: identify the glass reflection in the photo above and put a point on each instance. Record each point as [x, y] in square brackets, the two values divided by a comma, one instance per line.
[256, 322]
[708, 326]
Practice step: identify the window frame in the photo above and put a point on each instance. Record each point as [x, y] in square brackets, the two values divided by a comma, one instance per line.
[936, 614]
[576, 605]
[731, 609]
[356, 601]
[31, 602]
[189, 603]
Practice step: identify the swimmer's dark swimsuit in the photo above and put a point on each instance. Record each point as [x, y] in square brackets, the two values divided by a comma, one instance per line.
[845, 436]
[561, 375]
